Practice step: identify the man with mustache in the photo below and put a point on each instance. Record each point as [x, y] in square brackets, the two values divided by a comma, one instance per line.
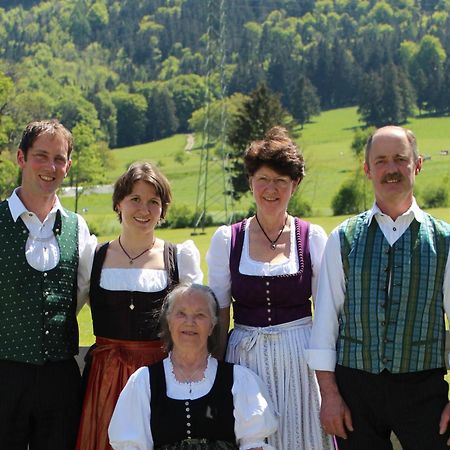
[46, 256]
[377, 342]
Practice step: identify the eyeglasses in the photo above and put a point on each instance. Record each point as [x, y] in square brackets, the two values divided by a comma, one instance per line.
[279, 182]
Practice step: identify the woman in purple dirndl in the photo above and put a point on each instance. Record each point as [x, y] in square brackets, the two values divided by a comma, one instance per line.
[267, 267]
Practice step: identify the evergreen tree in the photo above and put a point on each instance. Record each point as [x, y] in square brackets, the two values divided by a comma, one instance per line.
[161, 116]
[304, 101]
[260, 112]
[386, 97]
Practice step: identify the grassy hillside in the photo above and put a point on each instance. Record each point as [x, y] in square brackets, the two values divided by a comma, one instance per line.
[326, 145]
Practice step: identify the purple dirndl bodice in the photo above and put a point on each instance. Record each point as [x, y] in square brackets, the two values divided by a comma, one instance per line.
[262, 301]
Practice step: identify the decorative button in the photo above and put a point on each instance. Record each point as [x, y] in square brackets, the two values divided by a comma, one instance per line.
[395, 229]
[269, 310]
[188, 431]
[267, 292]
[269, 319]
[267, 283]
[188, 416]
[188, 409]
[46, 352]
[186, 403]
[45, 274]
[188, 424]
[46, 313]
[47, 332]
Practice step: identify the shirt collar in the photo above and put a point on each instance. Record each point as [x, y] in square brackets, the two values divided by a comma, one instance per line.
[17, 208]
[413, 209]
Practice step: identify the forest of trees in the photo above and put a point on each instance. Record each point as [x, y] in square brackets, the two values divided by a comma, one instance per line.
[123, 72]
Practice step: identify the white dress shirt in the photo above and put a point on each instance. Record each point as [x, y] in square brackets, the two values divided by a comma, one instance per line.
[42, 249]
[331, 289]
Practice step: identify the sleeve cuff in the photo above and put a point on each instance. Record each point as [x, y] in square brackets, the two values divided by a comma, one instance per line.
[322, 359]
[255, 444]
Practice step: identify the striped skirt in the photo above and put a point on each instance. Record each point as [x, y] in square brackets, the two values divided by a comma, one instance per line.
[278, 355]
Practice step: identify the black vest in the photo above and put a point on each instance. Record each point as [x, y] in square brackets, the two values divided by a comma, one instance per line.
[210, 417]
[112, 316]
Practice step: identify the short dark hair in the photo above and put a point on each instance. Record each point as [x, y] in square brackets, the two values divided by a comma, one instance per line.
[169, 301]
[142, 171]
[409, 136]
[37, 128]
[277, 151]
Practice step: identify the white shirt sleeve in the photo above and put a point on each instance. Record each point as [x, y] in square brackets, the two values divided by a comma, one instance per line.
[254, 416]
[317, 242]
[189, 262]
[129, 428]
[446, 287]
[328, 304]
[86, 248]
[218, 260]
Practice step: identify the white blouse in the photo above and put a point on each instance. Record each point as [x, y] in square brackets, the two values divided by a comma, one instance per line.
[129, 428]
[218, 256]
[154, 280]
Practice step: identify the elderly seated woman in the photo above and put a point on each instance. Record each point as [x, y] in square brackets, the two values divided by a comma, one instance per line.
[190, 400]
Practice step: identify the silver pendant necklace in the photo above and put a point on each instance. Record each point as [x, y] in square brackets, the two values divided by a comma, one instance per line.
[188, 379]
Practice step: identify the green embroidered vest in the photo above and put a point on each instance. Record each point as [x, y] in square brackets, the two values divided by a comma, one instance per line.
[37, 309]
[393, 315]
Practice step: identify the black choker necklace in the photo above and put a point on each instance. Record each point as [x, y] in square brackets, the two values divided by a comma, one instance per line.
[273, 244]
[140, 254]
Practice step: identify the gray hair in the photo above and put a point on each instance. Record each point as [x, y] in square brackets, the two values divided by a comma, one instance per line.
[409, 136]
[169, 302]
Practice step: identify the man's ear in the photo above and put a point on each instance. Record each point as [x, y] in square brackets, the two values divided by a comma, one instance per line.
[20, 158]
[418, 165]
[367, 170]
[69, 165]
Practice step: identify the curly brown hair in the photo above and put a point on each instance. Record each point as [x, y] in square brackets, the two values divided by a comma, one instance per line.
[277, 151]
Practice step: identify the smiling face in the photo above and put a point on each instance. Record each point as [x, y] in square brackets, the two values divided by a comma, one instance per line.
[190, 321]
[44, 165]
[392, 168]
[141, 209]
[271, 190]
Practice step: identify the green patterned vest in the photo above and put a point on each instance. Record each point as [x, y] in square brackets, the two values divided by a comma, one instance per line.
[393, 315]
[37, 309]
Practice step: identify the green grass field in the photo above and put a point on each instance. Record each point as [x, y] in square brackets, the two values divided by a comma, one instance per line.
[329, 160]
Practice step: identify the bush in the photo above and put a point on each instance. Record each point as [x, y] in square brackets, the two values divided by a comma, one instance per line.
[435, 197]
[180, 216]
[299, 207]
[349, 199]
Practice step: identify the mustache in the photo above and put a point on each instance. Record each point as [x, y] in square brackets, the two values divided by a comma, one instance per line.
[396, 176]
